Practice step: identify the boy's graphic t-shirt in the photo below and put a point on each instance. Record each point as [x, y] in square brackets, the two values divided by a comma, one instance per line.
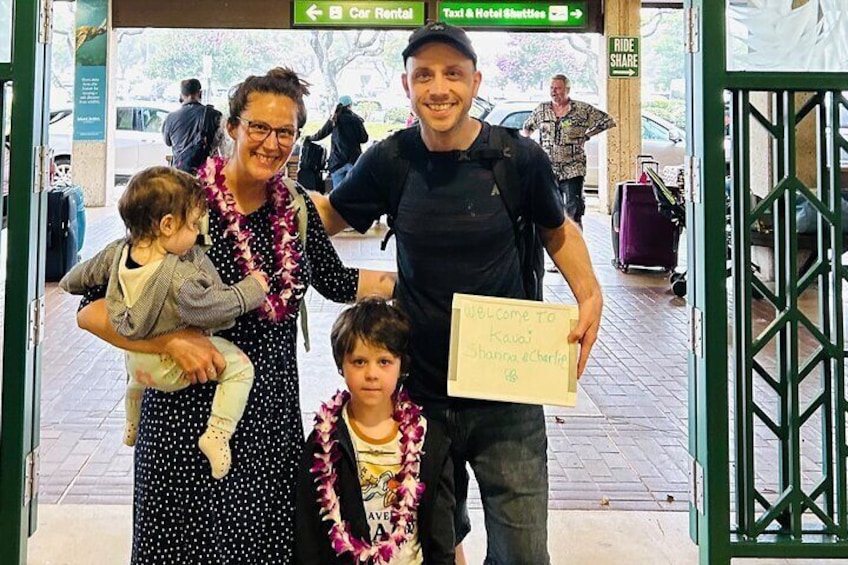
[378, 463]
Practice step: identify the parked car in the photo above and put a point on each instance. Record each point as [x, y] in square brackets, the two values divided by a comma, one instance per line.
[138, 138]
[659, 138]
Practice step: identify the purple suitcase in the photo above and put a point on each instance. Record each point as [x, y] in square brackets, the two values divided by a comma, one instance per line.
[645, 238]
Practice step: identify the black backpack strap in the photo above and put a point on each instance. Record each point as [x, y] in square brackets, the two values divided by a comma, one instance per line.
[397, 151]
[502, 148]
[501, 151]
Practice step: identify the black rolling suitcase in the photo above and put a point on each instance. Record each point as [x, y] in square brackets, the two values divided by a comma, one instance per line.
[62, 232]
[311, 163]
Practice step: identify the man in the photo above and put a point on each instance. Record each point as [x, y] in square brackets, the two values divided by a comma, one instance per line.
[349, 134]
[193, 130]
[455, 235]
[565, 126]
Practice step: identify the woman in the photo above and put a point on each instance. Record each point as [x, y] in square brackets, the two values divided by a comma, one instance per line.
[182, 515]
[348, 134]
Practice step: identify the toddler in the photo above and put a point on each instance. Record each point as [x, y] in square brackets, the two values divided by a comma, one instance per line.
[159, 281]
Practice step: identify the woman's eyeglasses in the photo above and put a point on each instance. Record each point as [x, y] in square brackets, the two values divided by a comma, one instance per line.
[259, 132]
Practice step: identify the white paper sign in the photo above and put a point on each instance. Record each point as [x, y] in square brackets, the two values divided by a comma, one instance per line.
[512, 350]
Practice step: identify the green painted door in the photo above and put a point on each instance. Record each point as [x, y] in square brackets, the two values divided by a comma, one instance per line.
[767, 261]
[24, 71]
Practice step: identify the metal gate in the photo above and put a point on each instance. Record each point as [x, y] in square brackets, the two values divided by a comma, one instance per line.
[25, 30]
[768, 362]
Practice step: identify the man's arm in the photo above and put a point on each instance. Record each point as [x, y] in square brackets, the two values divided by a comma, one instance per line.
[568, 250]
[332, 220]
[166, 131]
[190, 349]
[375, 283]
[530, 123]
[601, 121]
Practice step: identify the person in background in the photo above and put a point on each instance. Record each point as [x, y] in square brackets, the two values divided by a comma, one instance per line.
[455, 235]
[193, 130]
[565, 125]
[180, 513]
[375, 451]
[411, 119]
[348, 135]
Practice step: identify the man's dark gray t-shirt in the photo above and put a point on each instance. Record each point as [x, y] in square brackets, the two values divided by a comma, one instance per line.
[453, 235]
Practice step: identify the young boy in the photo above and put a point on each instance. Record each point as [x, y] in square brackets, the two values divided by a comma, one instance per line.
[376, 479]
[159, 281]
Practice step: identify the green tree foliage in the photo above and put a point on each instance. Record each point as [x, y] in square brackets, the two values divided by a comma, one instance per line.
[673, 111]
[532, 58]
[662, 47]
[235, 54]
[335, 50]
[62, 57]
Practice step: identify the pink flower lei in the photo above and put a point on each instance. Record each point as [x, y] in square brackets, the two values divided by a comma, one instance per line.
[286, 261]
[409, 491]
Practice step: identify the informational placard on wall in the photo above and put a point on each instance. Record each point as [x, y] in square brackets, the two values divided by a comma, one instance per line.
[90, 59]
[512, 350]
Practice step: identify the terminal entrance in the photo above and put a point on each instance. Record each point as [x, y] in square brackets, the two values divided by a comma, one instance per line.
[625, 446]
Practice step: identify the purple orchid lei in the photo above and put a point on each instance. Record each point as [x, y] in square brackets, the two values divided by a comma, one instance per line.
[409, 491]
[286, 261]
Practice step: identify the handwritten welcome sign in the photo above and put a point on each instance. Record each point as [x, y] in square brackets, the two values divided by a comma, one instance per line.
[512, 350]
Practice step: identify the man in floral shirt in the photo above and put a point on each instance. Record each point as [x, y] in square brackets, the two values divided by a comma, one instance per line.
[565, 125]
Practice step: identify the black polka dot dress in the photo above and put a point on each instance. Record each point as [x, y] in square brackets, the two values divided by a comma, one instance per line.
[181, 514]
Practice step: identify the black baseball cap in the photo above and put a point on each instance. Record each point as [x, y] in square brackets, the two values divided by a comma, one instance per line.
[440, 32]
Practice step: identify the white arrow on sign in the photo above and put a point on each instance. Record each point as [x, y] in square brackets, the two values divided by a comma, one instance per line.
[623, 72]
[577, 14]
[313, 12]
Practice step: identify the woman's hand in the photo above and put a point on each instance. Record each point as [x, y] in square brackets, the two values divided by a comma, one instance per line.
[261, 278]
[192, 350]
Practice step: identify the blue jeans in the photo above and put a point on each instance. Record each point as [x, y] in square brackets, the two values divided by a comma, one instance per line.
[506, 446]
[572, 195]
[339, 174]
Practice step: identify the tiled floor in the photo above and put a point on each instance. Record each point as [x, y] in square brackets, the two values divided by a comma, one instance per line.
[625, 442]
[622, 448]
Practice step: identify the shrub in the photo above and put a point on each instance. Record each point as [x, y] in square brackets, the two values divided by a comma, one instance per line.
[396, 115]
[673, 111]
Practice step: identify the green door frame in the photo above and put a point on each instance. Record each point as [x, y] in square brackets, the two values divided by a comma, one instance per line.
[759, 527]
[28, 73]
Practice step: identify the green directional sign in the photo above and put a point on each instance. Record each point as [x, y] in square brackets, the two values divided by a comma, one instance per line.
[539, 15]
[623, 57]
[324, 13]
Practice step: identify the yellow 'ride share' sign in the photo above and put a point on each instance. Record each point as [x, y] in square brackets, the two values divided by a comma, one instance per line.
[512, 350]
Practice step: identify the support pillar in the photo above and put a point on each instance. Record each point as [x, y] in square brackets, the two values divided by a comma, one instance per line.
[621, 145]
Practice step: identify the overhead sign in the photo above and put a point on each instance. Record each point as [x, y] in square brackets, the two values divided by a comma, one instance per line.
[324, 13]
[623, 57]
[539, 15]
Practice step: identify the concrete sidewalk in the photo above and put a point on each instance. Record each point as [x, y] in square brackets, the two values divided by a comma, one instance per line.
[100, 535]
